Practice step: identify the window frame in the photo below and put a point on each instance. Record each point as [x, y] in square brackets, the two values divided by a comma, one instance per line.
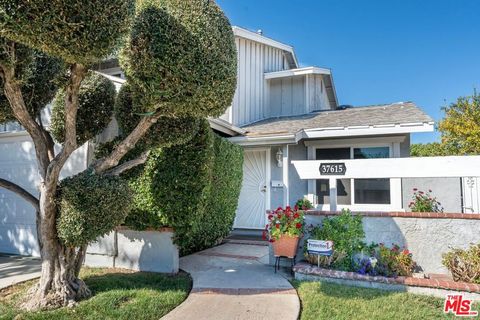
[395, 185]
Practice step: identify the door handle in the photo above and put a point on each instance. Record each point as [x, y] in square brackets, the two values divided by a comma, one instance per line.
[264, 189]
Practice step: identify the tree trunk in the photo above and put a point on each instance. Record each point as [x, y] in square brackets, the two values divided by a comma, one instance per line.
[59, 284]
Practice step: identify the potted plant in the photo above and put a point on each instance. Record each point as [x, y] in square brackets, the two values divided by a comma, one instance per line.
[284, 229]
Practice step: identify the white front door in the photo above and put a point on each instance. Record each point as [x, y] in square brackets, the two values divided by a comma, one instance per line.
[255, 193]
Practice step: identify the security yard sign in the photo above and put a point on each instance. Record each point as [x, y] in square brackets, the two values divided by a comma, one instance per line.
[320, 247]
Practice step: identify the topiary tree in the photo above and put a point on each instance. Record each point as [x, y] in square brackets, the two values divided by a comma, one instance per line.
[194, 77]
[96, 98]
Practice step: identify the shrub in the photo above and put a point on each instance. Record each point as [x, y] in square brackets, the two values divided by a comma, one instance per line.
[181, 57]
[464, 264]
[285, 222]
[90, 206]
[192, 187]
[383, 261]
[39, 75]
[96, 100]
[424, 202]
[304, 204]
[76, 31]
[346, 232]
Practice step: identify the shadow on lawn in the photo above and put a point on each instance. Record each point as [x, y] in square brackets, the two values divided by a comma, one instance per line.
[99, 283]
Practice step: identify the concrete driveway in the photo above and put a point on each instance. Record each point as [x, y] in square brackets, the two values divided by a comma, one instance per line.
[15, 269]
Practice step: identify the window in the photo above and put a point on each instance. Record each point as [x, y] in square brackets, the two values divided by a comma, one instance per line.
[372, 191]
[364, 191]
[343, 185]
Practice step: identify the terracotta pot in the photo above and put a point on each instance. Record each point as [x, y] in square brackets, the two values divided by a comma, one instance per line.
[286, 246]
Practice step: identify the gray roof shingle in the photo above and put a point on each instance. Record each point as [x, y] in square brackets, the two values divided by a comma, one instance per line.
[395, 113]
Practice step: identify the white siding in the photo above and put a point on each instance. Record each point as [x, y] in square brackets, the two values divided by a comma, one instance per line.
[317, 93]
[251, 97]
[287, 96]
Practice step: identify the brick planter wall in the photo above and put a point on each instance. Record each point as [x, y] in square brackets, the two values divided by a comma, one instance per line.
[437, 287]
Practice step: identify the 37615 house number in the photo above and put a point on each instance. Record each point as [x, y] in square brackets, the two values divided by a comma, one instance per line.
[332, 169]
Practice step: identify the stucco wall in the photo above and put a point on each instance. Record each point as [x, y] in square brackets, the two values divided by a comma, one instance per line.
[426, 238]
[152, 251]
[447, 190]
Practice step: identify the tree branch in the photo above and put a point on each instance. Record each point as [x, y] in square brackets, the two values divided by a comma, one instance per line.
[118, 170]
[77, 75]
[14, 95]
[20, 192]
[126, 145]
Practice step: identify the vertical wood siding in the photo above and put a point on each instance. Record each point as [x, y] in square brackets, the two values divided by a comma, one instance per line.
[317, 94]
[250, 103]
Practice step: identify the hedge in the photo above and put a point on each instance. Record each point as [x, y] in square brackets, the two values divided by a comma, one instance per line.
[193, 187]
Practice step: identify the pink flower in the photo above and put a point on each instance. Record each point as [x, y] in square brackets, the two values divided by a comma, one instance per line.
[277, 226]
[295, 208]
[270, 216]
[298, 225]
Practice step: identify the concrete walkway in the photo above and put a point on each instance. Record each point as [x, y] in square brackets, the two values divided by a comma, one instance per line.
[15, 269]
[233, 281]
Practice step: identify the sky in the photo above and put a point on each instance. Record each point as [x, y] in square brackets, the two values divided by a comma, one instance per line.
[380, 51]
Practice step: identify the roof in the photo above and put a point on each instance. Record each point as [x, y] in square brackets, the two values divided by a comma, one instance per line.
[258, 37]
[395, 118]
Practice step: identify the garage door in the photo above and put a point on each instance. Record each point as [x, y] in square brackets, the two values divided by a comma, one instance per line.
[17, 217]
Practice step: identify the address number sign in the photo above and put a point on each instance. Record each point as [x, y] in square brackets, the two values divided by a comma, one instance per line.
[332, 169]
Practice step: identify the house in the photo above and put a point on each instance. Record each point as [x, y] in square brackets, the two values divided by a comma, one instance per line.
[281, 112]
[286, 112]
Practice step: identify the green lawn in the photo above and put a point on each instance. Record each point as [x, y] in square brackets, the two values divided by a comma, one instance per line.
[332, 301]
[117, 294]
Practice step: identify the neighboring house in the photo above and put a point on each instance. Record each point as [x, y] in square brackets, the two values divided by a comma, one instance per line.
[280, 112]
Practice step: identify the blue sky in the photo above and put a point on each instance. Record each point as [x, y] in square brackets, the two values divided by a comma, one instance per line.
[380, 51]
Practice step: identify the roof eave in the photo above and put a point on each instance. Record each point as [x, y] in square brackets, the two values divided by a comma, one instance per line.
[225, 127]
[254, 36]
[336, 132]
[387, 129]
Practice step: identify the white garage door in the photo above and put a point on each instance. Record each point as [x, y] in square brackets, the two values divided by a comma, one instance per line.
[17, 217]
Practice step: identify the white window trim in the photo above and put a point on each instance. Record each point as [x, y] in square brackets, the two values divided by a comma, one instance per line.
[395, 184]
